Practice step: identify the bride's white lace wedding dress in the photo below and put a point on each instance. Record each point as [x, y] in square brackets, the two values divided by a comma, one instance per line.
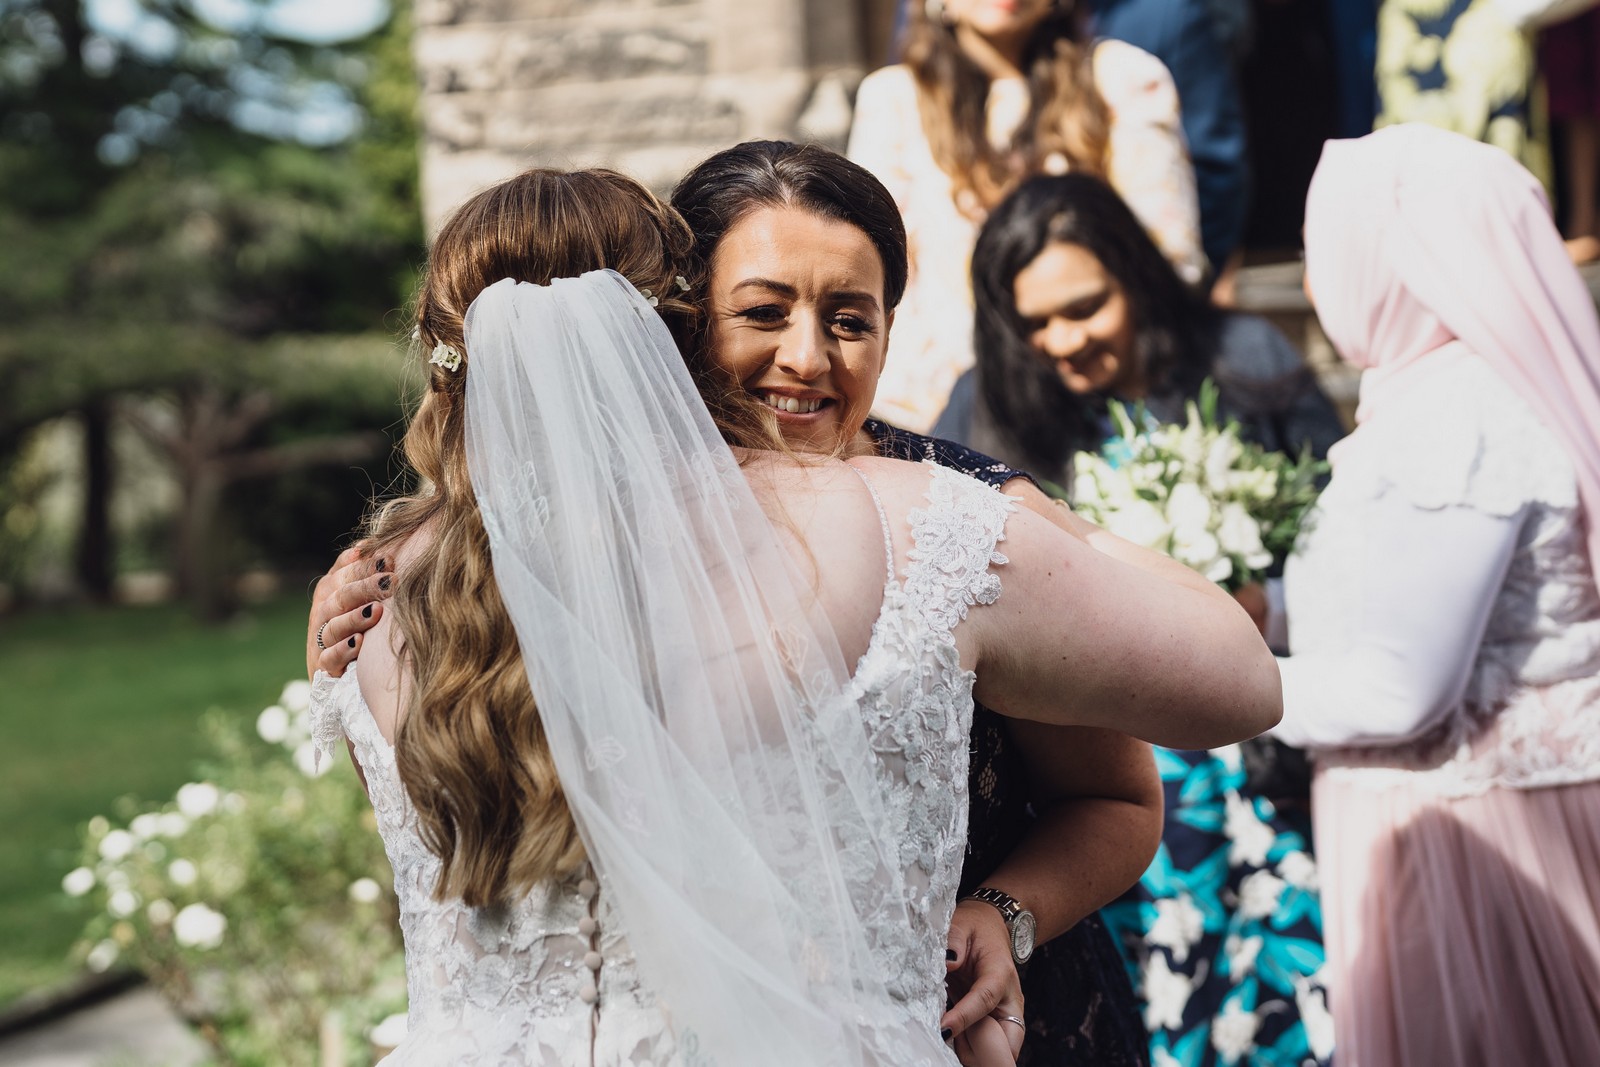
[552, 980]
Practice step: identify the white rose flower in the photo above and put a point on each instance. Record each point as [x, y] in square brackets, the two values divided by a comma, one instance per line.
[1258, 894]
[390, 1032]
[305, 757]
[296, 696]
[116, 845]
[273, 725]
[78, 881]
[160, 912]
[145, 826]
[1195, 547]
[1179, 924]
[1166, 994]
[182, 873]
[198, 799]
[173, 824]
[102, 956]
[1233, 1032]
[198, 926]
[364, 891]
[1238, 531]
[123, 903]
[1221, 570]
[1252, 839]
[1142, 523]
[1220, 458]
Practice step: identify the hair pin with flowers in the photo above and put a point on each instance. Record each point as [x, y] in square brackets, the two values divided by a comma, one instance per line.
[446, 356]
[654, 301]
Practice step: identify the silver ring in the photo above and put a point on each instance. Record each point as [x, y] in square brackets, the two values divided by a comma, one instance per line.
[320, 646]
[1014, 1019]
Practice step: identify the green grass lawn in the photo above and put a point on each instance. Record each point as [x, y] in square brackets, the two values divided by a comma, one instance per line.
[97, 704]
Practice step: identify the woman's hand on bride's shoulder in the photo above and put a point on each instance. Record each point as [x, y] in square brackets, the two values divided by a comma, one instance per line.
[983, 988]
[346, 603]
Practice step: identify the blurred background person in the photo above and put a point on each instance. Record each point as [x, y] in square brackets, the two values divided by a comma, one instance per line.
[1444, 621]
[1569, 59]
[1075, 307]
[1200, 42]
[990, 92]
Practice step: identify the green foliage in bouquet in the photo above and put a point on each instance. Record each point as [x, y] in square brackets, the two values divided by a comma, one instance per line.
[257, 900]
[1198, 492]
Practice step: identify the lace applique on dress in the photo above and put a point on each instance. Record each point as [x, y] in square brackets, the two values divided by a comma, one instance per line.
[552, 981]
[1531, 715]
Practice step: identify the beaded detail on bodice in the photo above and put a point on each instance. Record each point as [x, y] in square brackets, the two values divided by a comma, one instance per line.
[551, 980]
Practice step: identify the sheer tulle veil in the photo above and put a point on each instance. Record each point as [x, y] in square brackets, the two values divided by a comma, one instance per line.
[695, 697]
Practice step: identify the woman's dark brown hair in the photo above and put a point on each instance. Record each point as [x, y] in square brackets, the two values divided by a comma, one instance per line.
[1066, 114]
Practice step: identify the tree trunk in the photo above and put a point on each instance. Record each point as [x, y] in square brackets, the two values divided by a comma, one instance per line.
[95, 544]
[202, 580]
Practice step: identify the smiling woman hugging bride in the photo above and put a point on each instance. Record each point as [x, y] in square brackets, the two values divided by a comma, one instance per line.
[666, 726]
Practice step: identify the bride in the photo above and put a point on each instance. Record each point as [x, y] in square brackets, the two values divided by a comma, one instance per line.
[666, 728]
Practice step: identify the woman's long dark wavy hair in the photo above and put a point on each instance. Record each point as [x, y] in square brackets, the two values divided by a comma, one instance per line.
[1174, 329]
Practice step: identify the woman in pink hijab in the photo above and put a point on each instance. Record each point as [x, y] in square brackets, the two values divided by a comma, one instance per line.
[1443, 616]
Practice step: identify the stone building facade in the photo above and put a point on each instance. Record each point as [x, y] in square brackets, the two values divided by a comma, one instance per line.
[647, 86]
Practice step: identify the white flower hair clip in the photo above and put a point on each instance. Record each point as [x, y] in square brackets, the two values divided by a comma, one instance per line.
[650, 298]
[446, 356]
[682, 283]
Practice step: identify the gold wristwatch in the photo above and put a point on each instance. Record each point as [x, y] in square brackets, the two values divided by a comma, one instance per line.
[1020, 923]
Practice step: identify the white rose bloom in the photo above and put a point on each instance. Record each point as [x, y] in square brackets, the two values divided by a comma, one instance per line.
[145, 826]
[1220, 458]
[1166, 994]
[123, 903]
[390, 1032]
[198, 799]
[1179, 924]
[173, 824]
[1242, 953]
[116, 845]
[273, 725]
[1220, 570]
[1233, 1032]
[160, 912]
[198, 926]
[305, 757]
[1258, 894]
[182, 873]
[78, 881]
[102, 956]
[296, 696]
[1299, 870]
[1240, 533]
[364, 891]
[1195, 547]
[1188, 506]
[1252, 839]
[1142, 523]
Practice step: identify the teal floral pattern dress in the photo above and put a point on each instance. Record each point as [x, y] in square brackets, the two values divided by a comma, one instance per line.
[1223, 934]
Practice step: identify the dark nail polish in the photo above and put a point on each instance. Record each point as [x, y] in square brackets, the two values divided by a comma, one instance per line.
[950, 954]
[380, 566]
[351, 642]
[383, 583]
[946, 1033]
[366, 612]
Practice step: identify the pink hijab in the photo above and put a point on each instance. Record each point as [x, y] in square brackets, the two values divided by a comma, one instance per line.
[1416, 237]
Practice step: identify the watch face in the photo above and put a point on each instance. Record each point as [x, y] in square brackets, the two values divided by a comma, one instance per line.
[1023, 932]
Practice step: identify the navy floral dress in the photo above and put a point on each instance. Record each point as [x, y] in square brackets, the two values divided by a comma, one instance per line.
[1080, 1004]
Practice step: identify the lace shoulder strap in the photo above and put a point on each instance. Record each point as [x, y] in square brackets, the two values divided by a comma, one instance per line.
[955, 540]
[332, 699]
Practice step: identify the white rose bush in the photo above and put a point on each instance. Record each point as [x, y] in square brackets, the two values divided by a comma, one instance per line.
[257, 900]
[1197, 492]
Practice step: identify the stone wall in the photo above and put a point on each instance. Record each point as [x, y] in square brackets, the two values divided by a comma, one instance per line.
[647, 86]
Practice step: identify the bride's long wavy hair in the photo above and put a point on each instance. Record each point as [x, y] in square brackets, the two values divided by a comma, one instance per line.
[470, 749]
[1066, 116]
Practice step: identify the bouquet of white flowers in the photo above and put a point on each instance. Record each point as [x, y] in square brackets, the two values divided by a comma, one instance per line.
[1197, 492]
